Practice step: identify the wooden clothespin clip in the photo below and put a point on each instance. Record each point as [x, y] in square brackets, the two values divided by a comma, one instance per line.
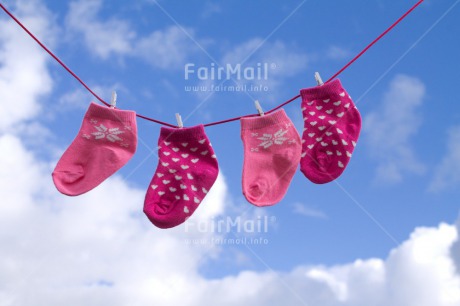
[113, 100]
[318, 79]
[179, 120]
[259, 108]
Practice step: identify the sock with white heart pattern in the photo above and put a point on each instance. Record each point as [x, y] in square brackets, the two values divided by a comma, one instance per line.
[187, 169]
[332, 125]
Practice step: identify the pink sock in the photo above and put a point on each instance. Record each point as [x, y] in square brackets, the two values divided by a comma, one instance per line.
[186, 171]
[331, 129]
[271, 156]
[106, 141]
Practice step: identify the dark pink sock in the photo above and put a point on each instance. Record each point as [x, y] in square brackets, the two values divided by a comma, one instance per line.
[332, 125]
[186, 171]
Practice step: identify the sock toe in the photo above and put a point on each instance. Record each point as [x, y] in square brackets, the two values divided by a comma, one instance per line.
[257, 190]
[70, 176]
[66, 181]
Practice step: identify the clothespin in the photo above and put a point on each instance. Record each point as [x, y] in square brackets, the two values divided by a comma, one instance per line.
[179, 120]
[113, 100]
[318, 79]
[259, 108]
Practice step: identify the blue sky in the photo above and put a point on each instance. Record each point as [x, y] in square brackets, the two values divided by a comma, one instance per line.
[396, 201]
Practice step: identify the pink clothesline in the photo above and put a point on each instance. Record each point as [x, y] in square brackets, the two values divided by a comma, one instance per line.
[216, 122]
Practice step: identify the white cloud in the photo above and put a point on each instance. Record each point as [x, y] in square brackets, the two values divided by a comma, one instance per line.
[77, 99]
[104, 38]
[338, 53]
[420, 272]
[288, 62]
[165, 49]
[282, 60]
[24, 77]
[455, 252]
[307, 211]
[447, 173]
[211, 8]
[389, 130]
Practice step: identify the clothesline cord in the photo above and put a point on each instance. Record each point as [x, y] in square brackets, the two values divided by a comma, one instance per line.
[216, 122]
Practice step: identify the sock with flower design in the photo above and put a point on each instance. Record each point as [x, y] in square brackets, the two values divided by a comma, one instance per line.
[106, 142]
[186, 171]
[271, 156]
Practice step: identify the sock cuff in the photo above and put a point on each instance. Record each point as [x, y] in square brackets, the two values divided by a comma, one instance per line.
[182, 134]
[104, 112]
[317, 92]
[260, 122]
